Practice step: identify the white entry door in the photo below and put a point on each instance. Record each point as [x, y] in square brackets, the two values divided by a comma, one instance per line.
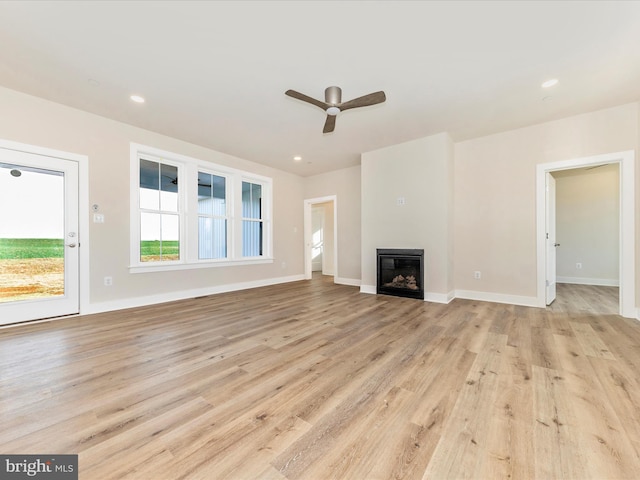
[39, 244]
[551, 238]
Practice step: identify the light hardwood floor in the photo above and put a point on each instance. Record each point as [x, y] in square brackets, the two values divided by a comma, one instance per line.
[589, 299]
[312, 380]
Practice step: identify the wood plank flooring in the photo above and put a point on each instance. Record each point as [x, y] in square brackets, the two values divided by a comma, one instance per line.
[573, 298]
[312, 380]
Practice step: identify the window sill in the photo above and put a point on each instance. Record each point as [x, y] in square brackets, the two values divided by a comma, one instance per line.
[196, 265]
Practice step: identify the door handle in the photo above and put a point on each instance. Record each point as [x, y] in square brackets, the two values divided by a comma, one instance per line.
[71, 245]
[556, 244]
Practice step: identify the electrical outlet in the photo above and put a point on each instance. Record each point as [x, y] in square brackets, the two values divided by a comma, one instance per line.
[108, 281]
[477, 275]
[578, 266]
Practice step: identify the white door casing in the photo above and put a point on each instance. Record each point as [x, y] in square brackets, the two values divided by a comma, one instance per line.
[550, 280]
[73, 168]
[308, 235]
[626, 161]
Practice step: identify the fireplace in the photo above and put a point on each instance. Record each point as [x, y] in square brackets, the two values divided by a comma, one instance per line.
[401, 272]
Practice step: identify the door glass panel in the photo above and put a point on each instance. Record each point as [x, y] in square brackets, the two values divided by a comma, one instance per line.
[31, 233]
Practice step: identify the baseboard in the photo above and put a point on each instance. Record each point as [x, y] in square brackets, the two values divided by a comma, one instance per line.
[353, 282]
[428, 296]
[184, 294]
[439, 297]
[601, 282]
[370, 289]
[498, 298]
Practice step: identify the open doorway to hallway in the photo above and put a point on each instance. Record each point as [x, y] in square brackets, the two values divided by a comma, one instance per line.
[546, 271]
[587, 233]
[322, 238]
[320, 233]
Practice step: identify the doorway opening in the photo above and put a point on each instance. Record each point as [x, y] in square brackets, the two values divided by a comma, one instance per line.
[320, 234]
[587, 214]
[547, 244]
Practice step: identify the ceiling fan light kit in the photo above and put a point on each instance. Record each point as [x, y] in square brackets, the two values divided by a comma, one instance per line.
[333, 105]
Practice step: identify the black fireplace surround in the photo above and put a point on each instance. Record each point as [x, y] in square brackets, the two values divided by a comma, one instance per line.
[400, 272]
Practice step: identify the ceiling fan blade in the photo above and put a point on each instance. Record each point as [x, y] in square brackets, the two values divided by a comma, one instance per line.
[329, 124]
[365, 101]
[306, 98]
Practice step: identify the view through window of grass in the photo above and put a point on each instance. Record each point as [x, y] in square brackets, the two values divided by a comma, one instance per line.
[155, 250]
[31, 268]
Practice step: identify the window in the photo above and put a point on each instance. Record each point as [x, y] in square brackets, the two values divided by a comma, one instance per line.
[251, 219]
[159, 212]
[212, 216]
[187, 213]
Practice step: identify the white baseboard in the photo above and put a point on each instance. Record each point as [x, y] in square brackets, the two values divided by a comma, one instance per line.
[183, 294]
[439, 297]
[370, 289]
[602, 282]
[428, 296]
[498, 298]
[353, 282]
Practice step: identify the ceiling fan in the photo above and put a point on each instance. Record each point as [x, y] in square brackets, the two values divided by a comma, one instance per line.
[333, 103]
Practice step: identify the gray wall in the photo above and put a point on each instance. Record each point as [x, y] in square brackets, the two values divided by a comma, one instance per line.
[421, 173]
[588, 226]
[345, 185]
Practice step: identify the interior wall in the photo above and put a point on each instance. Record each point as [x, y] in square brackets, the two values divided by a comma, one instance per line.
[588, 225]
[345, 185]
[329, 234]
[30, 120]
[495, 194]
[407, 203]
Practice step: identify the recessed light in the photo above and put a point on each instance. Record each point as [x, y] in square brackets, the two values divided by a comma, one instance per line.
[297, 158]
[137, 98]
[549, 83]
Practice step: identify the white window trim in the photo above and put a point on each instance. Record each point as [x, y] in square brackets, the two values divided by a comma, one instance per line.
[266, 213]
[188, 168]
[193, 224]
[181, 209]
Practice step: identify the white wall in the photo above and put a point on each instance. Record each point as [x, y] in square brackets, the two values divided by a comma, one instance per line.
[35, 121]
[588, 225]
[345, 185]
[329, 235]
[420, 172]
[495, 195]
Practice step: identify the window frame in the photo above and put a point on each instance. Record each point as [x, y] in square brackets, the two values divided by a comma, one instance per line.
[188, 169]
[226, 216]
[180, 211]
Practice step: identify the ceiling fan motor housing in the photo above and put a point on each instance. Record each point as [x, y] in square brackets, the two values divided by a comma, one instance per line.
[333, 95]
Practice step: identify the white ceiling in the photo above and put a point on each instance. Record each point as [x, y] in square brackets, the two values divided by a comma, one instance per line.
[215, 73]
